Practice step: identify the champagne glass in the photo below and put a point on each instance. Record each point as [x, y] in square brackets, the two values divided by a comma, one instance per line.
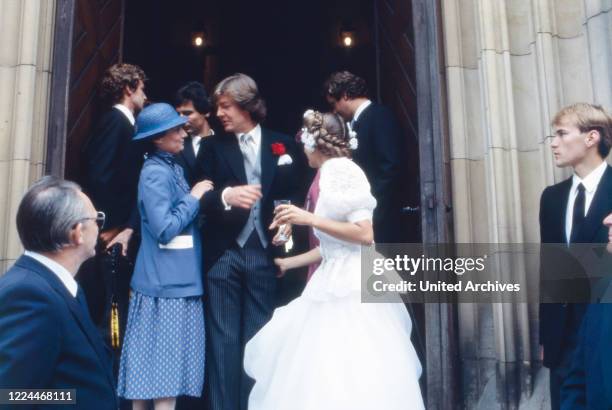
[281, 228]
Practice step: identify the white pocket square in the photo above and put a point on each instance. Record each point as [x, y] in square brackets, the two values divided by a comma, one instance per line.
[285, 159]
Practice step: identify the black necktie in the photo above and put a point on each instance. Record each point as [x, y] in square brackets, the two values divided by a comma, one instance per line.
[578, 215]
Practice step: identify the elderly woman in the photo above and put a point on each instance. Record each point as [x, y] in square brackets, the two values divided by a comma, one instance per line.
[163, 352]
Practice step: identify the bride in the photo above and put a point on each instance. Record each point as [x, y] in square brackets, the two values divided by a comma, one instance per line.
[326, 350]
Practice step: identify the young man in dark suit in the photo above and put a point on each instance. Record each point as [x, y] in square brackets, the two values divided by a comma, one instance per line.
[112, 164]
[572, 211]
[191, 101]
[250, 166]
[380, 148]
[47, 339]
[588, 384]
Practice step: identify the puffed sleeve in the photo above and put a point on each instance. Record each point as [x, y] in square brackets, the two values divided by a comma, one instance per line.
[345, 191]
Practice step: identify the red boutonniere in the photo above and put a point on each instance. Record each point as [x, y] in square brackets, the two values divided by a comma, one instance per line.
[278, 149]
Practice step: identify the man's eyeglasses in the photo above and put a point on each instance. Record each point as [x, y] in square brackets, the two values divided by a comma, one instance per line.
[100, 218]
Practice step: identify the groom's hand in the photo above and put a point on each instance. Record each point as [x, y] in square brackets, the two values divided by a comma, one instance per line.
[243, 196]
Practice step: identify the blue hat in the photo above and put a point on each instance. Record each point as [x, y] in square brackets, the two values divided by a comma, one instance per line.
[155, 119]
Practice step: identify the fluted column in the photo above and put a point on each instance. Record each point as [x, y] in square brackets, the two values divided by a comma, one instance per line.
[26, 32]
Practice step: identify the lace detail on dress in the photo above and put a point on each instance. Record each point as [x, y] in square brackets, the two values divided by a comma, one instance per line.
[344, 196]
[345, 192]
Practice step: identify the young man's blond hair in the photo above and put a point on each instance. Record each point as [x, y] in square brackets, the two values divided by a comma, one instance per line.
[589, 117]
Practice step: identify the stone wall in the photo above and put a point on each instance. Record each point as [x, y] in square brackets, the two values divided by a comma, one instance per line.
[26, 34]
[510, 66]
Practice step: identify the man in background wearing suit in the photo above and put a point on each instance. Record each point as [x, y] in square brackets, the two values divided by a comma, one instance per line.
[192, 102]
[589, 382]
[380, 148]
[250, 166]
[572, 211]
[112, 164]
[47, 339]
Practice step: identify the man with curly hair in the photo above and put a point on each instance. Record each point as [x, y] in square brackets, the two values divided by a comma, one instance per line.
[112, 165]
[379, 150]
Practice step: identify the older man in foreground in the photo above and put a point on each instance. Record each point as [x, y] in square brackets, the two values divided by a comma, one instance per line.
[47, 339]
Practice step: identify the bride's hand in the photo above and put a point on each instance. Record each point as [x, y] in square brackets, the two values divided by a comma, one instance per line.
[286, 232]
[283, 266]
[291, 214]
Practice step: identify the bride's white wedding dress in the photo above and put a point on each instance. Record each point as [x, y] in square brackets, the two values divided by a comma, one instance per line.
[326, 350]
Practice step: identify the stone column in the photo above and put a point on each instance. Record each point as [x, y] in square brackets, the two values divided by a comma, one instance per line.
[598, 23]
[26, 33]
[510, 66]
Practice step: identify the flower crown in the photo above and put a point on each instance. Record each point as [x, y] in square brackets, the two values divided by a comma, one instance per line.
[308, 139]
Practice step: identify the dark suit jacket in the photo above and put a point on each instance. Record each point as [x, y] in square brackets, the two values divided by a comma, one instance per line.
[379, 154]
[189, 162]
[560, 322]
[113, 164]
[589, 383]
[47, 340]
[223, 163]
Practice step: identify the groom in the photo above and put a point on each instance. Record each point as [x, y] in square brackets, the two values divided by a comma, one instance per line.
[251, 167]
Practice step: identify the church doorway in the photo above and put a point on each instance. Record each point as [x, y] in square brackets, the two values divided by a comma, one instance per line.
[289, 48]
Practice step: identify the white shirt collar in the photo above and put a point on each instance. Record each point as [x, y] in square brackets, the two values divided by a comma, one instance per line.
[591, 181]
[197, 139]
[255, 133]
[62, 273]
[127, 112]
[360, 109]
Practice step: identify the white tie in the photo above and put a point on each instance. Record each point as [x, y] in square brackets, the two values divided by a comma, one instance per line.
[196, 145]
[247, 148]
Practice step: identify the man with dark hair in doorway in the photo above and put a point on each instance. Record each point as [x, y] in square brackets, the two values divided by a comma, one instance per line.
[380, 148]
[572, 212]
[192, 101]
[112, 165]
[251, 168]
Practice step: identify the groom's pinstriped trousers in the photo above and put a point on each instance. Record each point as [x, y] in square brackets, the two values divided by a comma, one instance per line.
[240, 296]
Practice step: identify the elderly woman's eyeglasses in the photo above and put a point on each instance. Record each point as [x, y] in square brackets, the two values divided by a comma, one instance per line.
[99, 218]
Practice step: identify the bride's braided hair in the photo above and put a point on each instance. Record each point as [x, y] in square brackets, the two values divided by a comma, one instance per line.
[330, 133]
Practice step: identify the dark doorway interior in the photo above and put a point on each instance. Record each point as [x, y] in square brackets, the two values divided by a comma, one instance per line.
[287, 47]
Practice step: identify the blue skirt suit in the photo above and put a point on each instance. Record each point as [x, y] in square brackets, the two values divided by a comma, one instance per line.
[163, 351]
